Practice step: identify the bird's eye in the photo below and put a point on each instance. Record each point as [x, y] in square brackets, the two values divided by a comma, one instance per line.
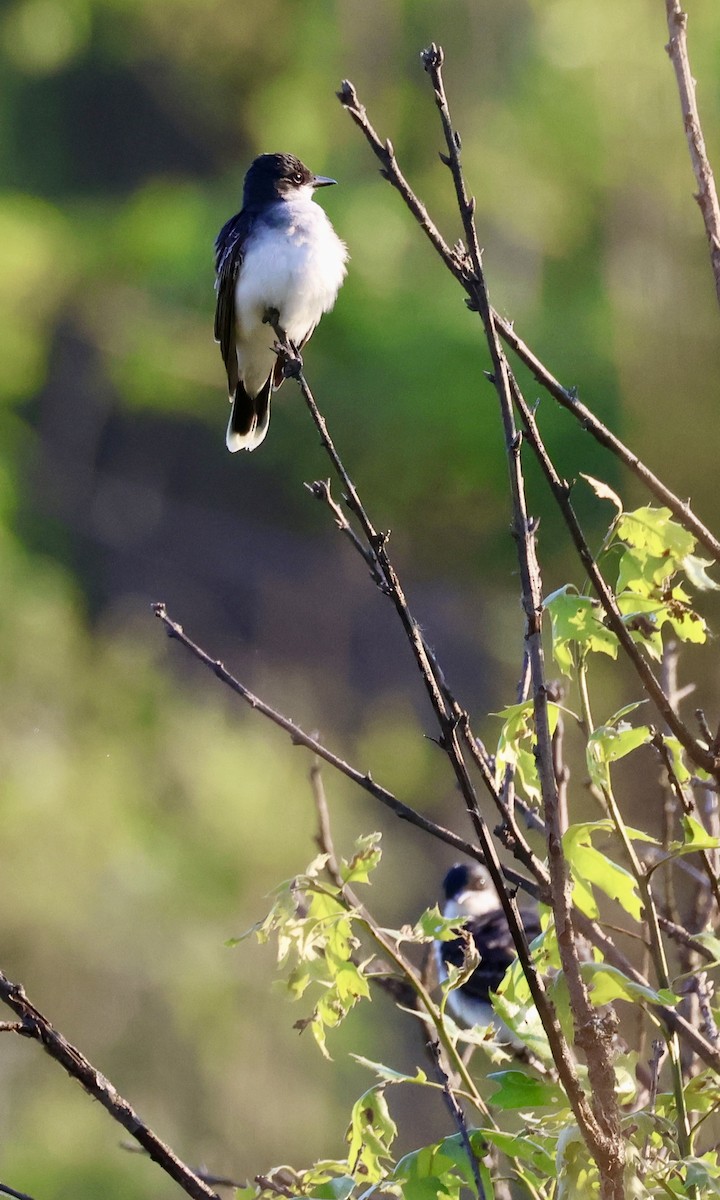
[298, 177]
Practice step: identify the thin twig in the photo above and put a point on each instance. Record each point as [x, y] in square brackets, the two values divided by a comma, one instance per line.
[561, 492]
[687, 801]
[458, 1116]
[321, 491]
[456, 263]
[683, 938]
[8, 1191]
[599, 1121]
[201, 1172]
[37, 1027]
[707, 196]
[300, 738]
[450, 741]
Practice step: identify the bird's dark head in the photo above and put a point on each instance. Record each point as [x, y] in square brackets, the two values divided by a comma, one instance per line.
[469, 890]
[279, 177]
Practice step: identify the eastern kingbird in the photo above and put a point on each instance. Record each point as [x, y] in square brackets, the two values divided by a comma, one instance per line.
[470, 894]
[279, 254]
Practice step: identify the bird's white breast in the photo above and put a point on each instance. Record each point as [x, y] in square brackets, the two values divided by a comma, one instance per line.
[295, 264]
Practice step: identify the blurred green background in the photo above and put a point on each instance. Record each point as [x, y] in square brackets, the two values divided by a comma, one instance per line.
[145, 816]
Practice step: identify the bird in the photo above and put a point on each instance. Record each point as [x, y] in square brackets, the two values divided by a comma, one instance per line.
[278, 259]
[470, 895]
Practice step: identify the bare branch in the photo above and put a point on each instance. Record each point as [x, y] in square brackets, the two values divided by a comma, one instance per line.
[8, 1191]
[707, 196]
[600, 1120]
[37, 1027]
[300, 738]
[456, 264]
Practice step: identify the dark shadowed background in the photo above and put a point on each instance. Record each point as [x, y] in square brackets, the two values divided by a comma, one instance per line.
[145, 815]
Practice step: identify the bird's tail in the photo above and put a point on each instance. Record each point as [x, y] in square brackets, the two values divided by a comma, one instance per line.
[249, 418]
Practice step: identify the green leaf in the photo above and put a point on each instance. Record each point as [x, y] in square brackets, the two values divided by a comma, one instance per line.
[696, 838]
[387, 1074]
[703, 1174]
[518, 1090]
[654, 530]
[338, 1188]
[608, 743]
[432, 926]
[695, 569]
[643, 617]
[589, 866]
[370, 1136]
[607, 983]
[443, 1170]
[577, 621]
[641, 572]
[676, 751]
[517, 742]
[711, 941]
[688, 625]
[457, 976]
[365, 859]
[520, 1145]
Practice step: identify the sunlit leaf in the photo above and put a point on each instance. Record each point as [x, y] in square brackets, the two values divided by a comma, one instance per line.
[696, 838]
[338, 1188]
[524, 1147]
[608, 743]
[366, 857]
[371, 1134]
[590, 866]
[388, 1074]
[577, 621]
[517, 742]
[696, 571]
[433, 926]
[654, 530]
[607, 983]
[677, 753]
[641, 572]
[518, 1090]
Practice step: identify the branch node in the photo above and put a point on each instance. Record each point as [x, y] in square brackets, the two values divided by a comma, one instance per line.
[347, 94]
[432, 58]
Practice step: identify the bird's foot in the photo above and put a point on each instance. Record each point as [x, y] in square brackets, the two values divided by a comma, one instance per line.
[290, 358]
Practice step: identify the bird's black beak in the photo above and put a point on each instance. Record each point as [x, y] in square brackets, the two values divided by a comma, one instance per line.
[322, 181]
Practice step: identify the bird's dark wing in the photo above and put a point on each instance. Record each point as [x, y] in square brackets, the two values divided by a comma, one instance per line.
[494, 945]
[229, 247]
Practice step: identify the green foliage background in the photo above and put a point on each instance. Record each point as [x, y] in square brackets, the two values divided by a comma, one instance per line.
[144, 816]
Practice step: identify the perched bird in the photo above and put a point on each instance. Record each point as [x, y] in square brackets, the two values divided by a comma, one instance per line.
[279, 257]
[469, 893]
